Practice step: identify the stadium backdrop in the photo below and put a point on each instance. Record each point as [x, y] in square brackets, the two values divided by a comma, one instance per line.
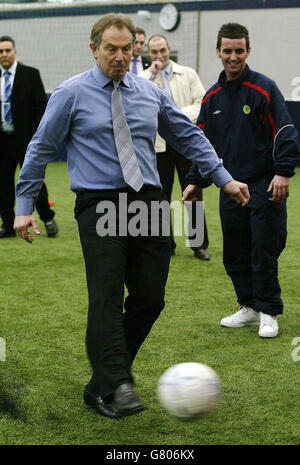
[54, 37]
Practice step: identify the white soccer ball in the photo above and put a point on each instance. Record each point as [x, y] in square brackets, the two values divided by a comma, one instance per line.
[189, 390]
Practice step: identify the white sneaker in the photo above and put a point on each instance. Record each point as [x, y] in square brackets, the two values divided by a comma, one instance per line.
[245, 316]
[268, 325]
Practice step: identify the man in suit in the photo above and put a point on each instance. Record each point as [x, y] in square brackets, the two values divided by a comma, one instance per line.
[23, 102]
[186, 89]
[138, 62]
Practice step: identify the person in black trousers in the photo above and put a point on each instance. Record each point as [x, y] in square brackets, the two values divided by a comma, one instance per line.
[27, 102]
[167, 163]
[244, 116]
[87, 113]
[186, 89]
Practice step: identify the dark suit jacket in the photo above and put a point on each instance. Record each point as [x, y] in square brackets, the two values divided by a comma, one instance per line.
[146, 62]
[28, 103]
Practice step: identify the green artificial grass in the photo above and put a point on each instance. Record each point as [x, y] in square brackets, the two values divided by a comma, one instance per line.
[43, 318]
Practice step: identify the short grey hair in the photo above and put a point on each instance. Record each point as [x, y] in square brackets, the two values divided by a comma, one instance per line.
[111, 19]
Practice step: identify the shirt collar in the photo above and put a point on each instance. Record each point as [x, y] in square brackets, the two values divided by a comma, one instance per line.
[175, 67]
[168, 70]
[103, 79]
[139, 58]
[235, 82]
[11, 69]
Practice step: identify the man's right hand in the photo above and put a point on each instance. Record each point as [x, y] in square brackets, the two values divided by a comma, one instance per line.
[155, 67]
[238, 191]
[22, 223]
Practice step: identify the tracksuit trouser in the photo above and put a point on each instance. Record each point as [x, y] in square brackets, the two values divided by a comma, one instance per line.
[253, 238]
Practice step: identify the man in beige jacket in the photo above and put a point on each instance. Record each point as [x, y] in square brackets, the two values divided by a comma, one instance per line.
[187, 91]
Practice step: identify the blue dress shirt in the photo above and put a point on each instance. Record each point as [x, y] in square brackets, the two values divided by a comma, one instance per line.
[79, 114]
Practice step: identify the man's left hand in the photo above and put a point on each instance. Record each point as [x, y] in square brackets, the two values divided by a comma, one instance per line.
[280, 187]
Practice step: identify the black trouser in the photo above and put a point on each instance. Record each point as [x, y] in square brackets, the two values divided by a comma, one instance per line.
[253, 238]
[166, 163]
[10, 156]
[141, 263]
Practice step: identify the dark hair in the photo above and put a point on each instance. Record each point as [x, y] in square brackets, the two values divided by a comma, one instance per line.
[158, 35]
[139, 30]
[7, 39]
[111, 19]
[233, 31]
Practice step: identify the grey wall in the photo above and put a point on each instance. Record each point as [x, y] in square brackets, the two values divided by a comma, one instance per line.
[59, 46]
[274, 40]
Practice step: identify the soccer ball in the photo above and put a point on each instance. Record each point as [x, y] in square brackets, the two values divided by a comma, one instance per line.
[189, 390]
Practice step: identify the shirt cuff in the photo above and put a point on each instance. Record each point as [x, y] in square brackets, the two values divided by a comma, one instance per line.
[25, 205]
[220, 176]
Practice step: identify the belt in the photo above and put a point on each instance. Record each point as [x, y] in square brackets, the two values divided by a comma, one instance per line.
[144, 188]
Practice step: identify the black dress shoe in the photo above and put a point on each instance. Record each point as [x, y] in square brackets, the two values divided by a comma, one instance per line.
[98, 404]
[202, 254]
[126, 402]
[7, 233]
[51, 228]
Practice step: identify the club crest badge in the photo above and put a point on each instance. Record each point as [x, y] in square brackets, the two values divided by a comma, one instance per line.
[246, 109]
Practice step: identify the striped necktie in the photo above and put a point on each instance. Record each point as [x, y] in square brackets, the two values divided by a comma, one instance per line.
[7, 94]
[134, 66]
[127, 157]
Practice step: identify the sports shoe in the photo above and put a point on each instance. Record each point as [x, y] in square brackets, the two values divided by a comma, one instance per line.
[51, 228]
[245, 316]
[268, 325]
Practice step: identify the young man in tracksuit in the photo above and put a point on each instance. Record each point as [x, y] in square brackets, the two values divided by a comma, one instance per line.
[245, 118]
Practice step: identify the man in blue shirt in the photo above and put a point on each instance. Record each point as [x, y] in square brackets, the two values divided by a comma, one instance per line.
[79, 113]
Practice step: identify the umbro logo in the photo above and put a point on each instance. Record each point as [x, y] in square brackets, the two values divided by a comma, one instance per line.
[216, 112]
